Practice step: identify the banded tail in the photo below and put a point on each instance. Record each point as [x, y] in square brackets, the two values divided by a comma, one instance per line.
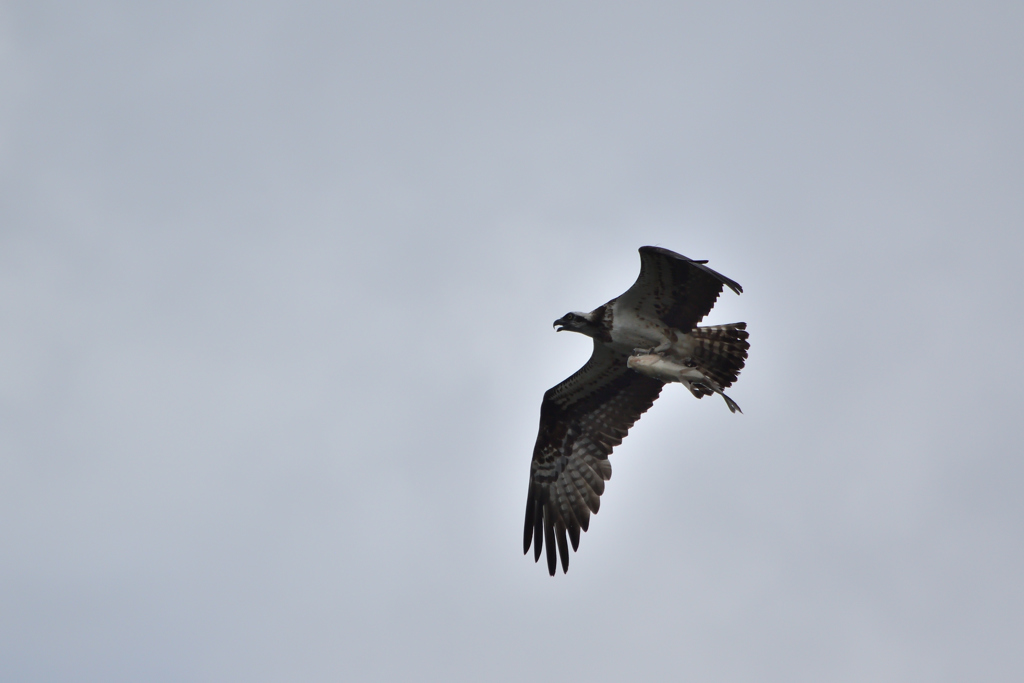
[720, 352]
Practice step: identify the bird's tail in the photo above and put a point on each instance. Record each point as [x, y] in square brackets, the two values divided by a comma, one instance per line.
[721, 351]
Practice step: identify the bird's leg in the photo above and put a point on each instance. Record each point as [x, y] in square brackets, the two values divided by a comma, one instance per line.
[654, 350]
[662, 347]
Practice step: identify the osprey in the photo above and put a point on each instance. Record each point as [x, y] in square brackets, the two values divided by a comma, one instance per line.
[643, 339]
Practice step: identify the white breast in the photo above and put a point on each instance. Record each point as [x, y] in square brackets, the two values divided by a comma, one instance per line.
[630, 331]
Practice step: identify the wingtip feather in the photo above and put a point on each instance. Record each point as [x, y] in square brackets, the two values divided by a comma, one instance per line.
[549, 541]
[563, 547]
[538, 532]
[528, 527]
[574, 537]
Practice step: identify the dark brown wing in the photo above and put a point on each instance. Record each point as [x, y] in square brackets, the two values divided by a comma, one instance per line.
[581, 421]
[674, 289]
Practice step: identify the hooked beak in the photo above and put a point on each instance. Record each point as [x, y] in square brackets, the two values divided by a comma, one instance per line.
[559, 324]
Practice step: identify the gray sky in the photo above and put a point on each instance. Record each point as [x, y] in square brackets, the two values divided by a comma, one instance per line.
[276, 292]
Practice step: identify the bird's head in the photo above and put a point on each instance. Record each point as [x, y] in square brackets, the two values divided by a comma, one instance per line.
[577, 322]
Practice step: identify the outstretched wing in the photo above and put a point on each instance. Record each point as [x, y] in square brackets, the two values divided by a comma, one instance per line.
[673, 288]
[581, 421]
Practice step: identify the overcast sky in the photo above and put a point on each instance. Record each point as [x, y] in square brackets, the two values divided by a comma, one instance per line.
[277, 283]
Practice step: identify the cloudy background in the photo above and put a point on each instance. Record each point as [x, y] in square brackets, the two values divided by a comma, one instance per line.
[276, 291]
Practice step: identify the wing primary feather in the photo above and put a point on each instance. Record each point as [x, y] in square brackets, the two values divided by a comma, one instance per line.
[538, 530]
[585, 520]
[574, 537]
[566, 501]
[563, 547]
[592, 501]
[591, 476]
[528, 527]
[576, 504]
[549, 541]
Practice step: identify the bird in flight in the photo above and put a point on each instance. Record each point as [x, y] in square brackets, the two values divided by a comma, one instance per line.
[643, 339]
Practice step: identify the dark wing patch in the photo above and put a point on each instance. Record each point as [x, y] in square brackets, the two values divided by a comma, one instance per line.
[581, 421]
[674, 288]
